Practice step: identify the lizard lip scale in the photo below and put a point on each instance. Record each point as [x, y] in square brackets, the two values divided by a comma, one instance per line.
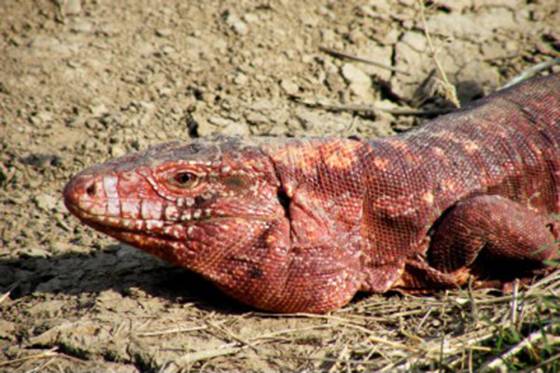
[302, 225]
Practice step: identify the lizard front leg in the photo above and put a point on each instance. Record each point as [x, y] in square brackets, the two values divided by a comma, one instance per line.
[491, 237]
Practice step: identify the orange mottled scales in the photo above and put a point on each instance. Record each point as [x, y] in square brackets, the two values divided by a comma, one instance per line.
[292, 225]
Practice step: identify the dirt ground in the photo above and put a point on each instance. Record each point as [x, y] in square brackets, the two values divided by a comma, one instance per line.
[84, 81]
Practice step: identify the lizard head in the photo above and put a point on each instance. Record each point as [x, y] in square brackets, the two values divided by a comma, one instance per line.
[177, 200]
[227, 209]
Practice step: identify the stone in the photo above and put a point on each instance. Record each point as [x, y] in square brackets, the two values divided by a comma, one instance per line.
[117, 150]
[289, 87]
[45, 202]
[81, 26]
[359, 81]
[251, 18]
[72, 7]
[240, 79]
[236, 129]
[163, 32]
[7, 330]
[238, 26]
[98, 110]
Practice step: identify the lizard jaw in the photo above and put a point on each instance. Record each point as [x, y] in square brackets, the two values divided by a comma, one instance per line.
[147, 221]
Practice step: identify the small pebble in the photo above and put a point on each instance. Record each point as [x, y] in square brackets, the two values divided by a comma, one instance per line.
[163, 32]
[289, 87]
[237, 24]
[72, 7]
[240, 79]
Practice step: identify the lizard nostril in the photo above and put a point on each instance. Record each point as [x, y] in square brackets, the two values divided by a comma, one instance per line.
[91, 189]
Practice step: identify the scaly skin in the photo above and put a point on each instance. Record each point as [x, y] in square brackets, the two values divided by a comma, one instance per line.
[293, 225]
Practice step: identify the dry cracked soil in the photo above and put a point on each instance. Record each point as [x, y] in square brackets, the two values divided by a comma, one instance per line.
[84, 81]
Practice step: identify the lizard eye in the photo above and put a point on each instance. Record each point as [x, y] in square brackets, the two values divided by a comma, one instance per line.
[184, 179]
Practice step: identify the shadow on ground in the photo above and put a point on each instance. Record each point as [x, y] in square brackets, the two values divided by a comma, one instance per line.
[117, 267]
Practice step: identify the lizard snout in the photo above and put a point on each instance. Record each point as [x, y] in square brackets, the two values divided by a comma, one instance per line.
[83, 192]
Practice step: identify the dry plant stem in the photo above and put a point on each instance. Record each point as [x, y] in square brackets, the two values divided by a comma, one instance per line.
[326, 359]
[232, 335]
[339, 54]
[539, 285]
[172, 331]
[441, 354]
[62, 224]
[372, 109]
[228, 349]
[49, 353]
[451, 93]
[532, 71]
[42, 366]
[181, 363]
[507, 298]
[384, 341]
[323, 317]
[342, 358]
[499, 58]
[514, 305]
[541, 364]
[474, 306]
[469, 342]
[424, 318]
[499, 362]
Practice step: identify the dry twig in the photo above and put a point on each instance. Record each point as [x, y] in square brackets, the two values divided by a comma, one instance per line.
[43, 355]
[172, 331]
[532, 71]
[348, 56]
[372, 109]
[500, 361]
[450, 91]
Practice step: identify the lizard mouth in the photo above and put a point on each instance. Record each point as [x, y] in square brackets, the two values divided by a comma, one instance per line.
[175, 242]
[164, 230]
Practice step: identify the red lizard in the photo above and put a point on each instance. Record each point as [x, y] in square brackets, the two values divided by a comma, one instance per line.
[291, 225]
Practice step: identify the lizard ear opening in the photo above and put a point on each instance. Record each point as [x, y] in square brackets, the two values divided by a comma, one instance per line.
[284, 200]
[235, 182]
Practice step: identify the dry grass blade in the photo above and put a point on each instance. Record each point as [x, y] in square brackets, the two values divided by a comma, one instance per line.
[347, 319]
[41, 368]
[275, 334]
[532, 71]
[550, 281]
[331, 360]
[376, 339]
[43, 355]
[372, 109]
[544, 363]
[190, 358]
[232, 335]
[500, 361]
[342, 358]
[450, 92]
[424, 318]
[339, 54]
[230, 348]
[172, 331]
[514, 303]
